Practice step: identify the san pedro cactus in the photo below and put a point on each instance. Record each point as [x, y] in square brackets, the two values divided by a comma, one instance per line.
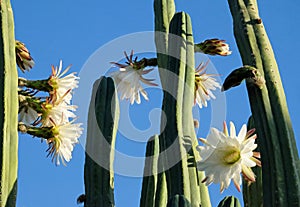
[100, 145]
[164, 10]
[154, 189]
[252, 194]
[8, 108]
[178, 140]
[280, 160]
[229, 201]
[178, 201]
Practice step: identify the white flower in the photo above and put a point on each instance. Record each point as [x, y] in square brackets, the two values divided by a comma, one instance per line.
[61, 145]
[204, 85]
[225, 156]
[57, 112]
[128, 81]
[63, 85]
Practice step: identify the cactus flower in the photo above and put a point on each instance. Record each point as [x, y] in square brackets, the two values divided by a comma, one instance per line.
[61, 85]
[204, 85]
[58, 111]
[23, 58]
[61, 138]
[213, 47]
[61, 144]
[224, 156]
[129, 77]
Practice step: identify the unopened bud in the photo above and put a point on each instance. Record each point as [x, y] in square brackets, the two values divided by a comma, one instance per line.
[23, 58]
[213, 47]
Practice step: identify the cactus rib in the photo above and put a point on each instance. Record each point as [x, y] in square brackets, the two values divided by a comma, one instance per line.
[101, 136]
[164, 10]
[8, 107]
[268, 105]
[154, 189]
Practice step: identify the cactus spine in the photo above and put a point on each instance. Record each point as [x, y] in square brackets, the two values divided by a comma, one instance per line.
[101, 136]
[280, 160]
[8, 108]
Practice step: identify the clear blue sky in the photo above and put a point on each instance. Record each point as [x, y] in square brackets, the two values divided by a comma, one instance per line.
[74, 30]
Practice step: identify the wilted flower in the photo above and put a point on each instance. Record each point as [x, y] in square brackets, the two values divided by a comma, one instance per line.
[128, 80]
[23, 58]
[204, 85]
[213, 47]
[28, 113]
[225, 156]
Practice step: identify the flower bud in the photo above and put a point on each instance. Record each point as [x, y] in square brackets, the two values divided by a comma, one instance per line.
[213, 47]
[23, 58]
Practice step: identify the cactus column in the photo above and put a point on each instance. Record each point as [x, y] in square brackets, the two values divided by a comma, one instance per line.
[164, 10]
[280, 160]
[177, 141]
[8, 108]
[100, 145]
[154, 189]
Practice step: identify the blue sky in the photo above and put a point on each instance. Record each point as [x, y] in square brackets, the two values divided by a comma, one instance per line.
[74, 30]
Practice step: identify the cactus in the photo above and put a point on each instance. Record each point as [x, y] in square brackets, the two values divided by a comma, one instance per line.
[164, 10]
[229, 201]
[8, 108]
[280, 160]
[178, 201]
[101, 137]
[178, 140]
[252, 193]
[154, 189]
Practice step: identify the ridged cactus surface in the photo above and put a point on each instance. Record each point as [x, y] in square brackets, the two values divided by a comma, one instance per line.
[280, 160]
[164, 10]
[253, 193]
[100, 145]
[8, 108]
[229, 201]
[178, 201]
[177, 142]
[154, 189]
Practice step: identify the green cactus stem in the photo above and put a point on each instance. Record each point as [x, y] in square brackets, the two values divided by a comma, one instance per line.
[177, 176]
[154, 188]
[8, 108]
[253, 193]
[100, 145]
[178, 201]
[178, 138]
[280, 160]
[164, 10]
[230, 201]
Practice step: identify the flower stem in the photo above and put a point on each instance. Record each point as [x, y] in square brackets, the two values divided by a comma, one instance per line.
[40, 85]
[42, 132]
